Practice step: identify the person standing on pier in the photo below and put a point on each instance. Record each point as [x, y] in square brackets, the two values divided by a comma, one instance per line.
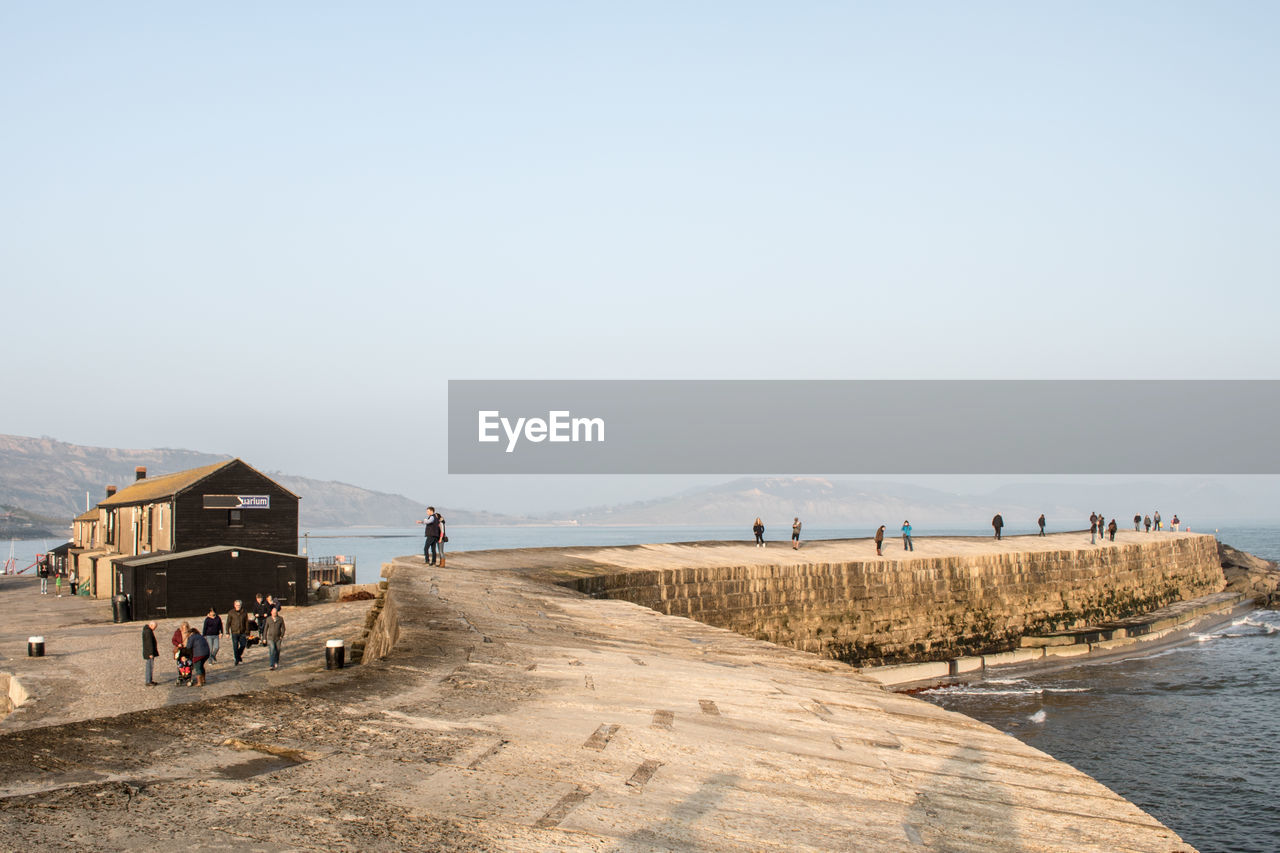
[150, 651]
[1111, 530]
[879, 540]
[795, 534]
[1156, 519]
[1147, 522]
[1040, 521]
[1175, 522]
[431, 530]
[1093, 528]
[1137, 522]
[758, 530]
[998, 523]
[906, 537]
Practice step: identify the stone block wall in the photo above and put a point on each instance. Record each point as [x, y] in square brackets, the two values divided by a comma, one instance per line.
[929, 608]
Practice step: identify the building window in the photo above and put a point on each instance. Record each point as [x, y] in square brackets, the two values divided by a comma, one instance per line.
[234, 519]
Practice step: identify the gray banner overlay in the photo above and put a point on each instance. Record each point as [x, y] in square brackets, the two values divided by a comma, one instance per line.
[864, 427]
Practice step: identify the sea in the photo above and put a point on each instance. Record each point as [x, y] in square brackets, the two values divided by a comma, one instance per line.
[1190, 733]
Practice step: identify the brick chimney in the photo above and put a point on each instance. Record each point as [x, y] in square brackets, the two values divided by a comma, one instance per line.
[140, 473]
[111, 490]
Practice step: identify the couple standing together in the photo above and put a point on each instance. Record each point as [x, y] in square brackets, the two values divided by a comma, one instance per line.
[433, 528]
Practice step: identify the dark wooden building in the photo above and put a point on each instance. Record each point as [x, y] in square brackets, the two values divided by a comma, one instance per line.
[188, 583]
[182, 543]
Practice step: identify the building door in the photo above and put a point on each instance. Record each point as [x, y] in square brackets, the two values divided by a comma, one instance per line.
[286, 583]
[155, 593]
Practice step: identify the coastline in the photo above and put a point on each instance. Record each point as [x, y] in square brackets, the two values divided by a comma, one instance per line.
[911, 678]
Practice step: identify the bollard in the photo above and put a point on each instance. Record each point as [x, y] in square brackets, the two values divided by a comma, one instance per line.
[35, 647]
[335, 654]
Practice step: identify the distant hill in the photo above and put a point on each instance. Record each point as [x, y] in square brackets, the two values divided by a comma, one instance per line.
[50, 478]
[818, 502]
[823, 502]
[19, 523]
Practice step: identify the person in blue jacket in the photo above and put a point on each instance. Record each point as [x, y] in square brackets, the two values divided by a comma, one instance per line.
[906, 537]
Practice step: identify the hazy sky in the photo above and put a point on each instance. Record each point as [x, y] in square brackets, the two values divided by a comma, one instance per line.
[277, 230]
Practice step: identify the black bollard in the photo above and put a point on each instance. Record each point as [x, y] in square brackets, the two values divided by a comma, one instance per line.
[35, 647]
[335, 654]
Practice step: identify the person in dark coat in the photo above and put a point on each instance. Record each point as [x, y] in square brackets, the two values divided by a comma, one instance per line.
[1111, 529]
[273, 636]
[1146, 522]
[1093, 528]
[879, 540]
[150, 651]
[238, 628]
[758, 530]
[260, 613]
[198, 648]
[998, 523]
[1041, 523]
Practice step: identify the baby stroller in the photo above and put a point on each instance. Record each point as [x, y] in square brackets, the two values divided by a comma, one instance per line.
[184, 667]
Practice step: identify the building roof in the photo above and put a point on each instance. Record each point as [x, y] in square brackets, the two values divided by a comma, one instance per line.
[87, 515]
[168, 556]
[167, 485]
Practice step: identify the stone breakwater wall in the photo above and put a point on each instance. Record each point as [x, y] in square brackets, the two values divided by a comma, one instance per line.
[929, 608]
[381, 626]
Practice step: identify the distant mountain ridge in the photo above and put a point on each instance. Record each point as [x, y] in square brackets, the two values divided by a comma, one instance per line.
[51, 478]
[817, 501]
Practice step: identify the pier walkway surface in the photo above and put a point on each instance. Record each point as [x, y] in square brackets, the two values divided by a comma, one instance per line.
[518, 715]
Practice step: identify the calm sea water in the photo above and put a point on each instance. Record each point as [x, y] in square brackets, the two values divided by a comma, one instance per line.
[1191, 734]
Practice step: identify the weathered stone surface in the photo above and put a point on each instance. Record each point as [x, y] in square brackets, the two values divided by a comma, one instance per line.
[516, 716]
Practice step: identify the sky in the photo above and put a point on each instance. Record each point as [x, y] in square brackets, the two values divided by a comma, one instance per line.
[278, 230]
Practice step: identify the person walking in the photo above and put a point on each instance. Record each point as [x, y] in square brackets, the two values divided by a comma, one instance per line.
[1175, 524]
[998, 523]
[238, 627]
[57, 583]
[1111, 530]
[1137, 522]
[150, 651]
[1040, 521]
[43, 572]
[1093, 528]
[431, 534]
[795, 534]
[260, 613]
[1147, 523]
[273, 636]
[907, 544]
[74, 580]
[758, 530]
[1156, 519]
[198, 649]
[212, 631]
[879, 540]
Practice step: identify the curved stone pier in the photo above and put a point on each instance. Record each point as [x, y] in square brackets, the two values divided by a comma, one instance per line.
[513, 714]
